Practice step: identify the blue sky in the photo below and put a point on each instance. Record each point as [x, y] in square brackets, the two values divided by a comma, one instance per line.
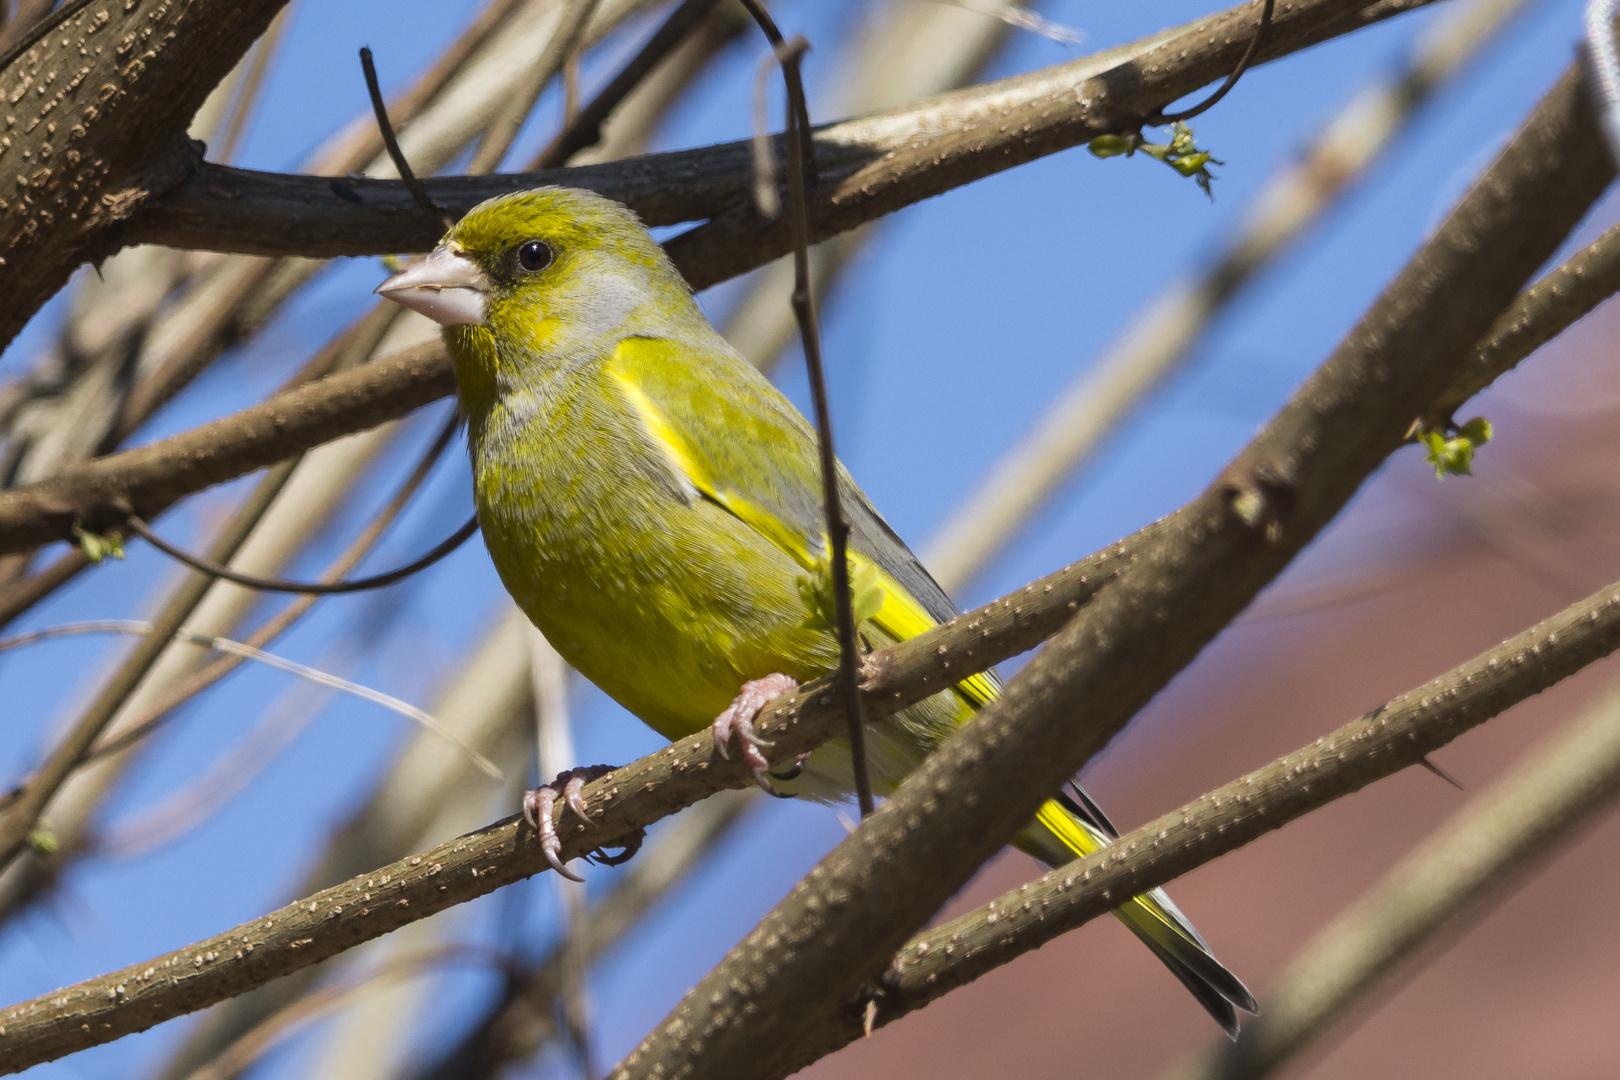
[946, 338]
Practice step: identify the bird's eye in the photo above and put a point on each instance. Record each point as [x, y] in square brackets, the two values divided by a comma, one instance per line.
[534, 256]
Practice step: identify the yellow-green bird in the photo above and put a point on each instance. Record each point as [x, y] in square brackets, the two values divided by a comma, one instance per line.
[653, 504]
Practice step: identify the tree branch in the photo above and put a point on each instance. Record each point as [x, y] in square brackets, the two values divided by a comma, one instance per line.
[867, 167]
[152, 477]
[837, 928]
[87, 145]
[1487, 848]
[1169, 330]
[1511, 826]
[1538, 315]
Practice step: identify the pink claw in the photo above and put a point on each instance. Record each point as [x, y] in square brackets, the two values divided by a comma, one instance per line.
[737, 721]
[539, 803]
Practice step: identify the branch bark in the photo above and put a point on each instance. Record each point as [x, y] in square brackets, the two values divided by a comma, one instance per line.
[153, 477]
[98, 101]
[833, 934]
[1514, 821]
[867, 167]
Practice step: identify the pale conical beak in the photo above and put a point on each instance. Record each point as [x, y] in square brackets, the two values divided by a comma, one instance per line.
[446, 286]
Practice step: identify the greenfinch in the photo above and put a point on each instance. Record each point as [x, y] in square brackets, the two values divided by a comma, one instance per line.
[654, 505]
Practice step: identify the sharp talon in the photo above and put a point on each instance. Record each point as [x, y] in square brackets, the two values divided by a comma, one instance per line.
[553, 849]
[528, 809]
[539, 804]
[573, 800]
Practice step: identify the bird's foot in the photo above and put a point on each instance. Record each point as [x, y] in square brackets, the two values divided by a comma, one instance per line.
[737, 721]
[538, 804]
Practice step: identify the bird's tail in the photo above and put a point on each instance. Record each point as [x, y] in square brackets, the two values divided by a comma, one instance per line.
[1073, 826]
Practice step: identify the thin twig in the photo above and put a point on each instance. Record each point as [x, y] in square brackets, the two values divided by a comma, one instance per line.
[1472, 862]
[1160, 118]
[141, 627]
[395, 154]
[800, 175]
[314, 588]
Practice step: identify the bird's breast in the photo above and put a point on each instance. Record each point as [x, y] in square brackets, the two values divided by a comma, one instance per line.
[664, 600]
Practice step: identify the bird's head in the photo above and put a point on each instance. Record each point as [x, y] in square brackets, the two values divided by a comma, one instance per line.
[525, 281]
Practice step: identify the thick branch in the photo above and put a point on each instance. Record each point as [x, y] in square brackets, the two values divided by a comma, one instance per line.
[1386, 740]
[97, 109]
[867, 167]
[835, 931]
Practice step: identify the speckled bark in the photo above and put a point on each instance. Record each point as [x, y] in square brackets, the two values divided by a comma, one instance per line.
[96, 106]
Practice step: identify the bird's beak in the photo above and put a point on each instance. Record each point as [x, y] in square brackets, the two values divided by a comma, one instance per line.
[446, 286]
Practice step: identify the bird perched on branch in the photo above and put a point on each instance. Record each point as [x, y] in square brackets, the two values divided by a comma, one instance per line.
[653, 504]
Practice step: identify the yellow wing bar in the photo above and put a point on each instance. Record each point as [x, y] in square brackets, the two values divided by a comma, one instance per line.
[901, 617]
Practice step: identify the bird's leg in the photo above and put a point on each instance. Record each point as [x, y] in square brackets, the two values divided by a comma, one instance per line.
[737, 721]
[538, 804]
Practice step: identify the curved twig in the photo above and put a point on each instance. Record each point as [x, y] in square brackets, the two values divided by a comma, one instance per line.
[1161, 118]
[395, 154]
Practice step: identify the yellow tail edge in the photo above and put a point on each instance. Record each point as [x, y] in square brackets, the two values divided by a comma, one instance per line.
[1058, 836]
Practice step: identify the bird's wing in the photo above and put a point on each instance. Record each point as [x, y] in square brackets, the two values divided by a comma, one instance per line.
[744, 447]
